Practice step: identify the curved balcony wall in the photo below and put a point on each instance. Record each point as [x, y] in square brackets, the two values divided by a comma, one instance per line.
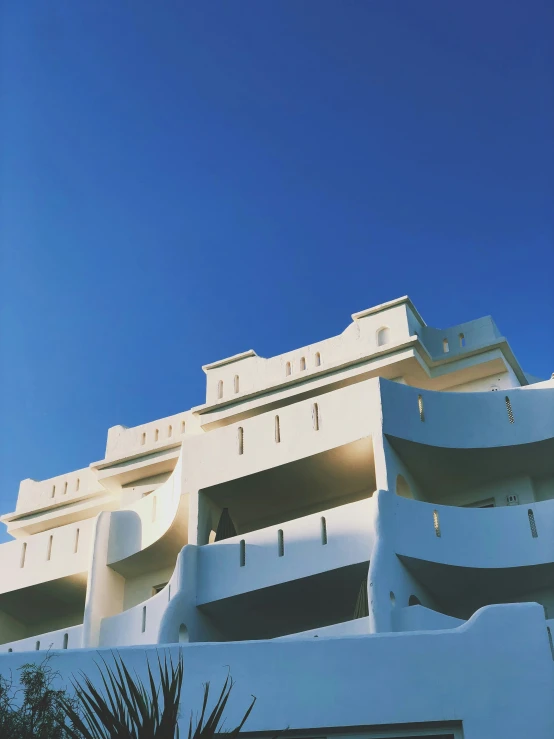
[503, 537]
[141, 524]
[140, 624]
[69, 638]
[467, 420]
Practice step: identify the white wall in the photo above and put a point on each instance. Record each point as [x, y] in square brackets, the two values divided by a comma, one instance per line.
[495, 674]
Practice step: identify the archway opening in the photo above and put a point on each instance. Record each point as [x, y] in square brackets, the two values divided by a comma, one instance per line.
[183, 634]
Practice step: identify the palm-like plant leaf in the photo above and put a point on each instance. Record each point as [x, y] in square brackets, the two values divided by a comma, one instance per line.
[125, 707]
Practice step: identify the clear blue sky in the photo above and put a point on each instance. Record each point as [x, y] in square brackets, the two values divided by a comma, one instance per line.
[181, 181]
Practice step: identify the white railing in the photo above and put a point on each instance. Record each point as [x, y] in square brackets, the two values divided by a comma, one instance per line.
[69, 638]
[139, 624]
[509, 536]
[266, 557]
[48, 555]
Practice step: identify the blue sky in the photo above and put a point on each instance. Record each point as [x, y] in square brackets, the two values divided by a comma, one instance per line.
[182, 181]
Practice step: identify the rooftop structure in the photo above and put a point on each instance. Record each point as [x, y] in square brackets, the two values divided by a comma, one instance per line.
[376, 508]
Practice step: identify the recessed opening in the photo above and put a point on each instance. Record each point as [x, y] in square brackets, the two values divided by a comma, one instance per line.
[143, 438]
[436, 523]
[288, 369]
[240, 440]
[414, 601]
[53, 491]
[383, 336]
[392, 598]
[49, 549]
[281, 543]
[10, 650]
[302, 363]
[220, 389]
[23, 554]
[509, 409]
[317, 359]
[277, 430]
[183, 634]
[323, 530]
[65, 640]
[77, 484]
[76, 541]
[445, 346]
[242, 548]
[236, 383]
[158, 588]
[65, 488]
[315, 416]
[183, 425]
[156, 434]
[462, 340]
[420, 407]
[37, 646]
[532, 524]
[170, 430]
[143, 619]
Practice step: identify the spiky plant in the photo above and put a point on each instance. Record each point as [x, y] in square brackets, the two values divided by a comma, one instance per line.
[206, 728]
[126, 708]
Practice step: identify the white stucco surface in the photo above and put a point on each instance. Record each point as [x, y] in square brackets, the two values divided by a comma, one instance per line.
[362, 529]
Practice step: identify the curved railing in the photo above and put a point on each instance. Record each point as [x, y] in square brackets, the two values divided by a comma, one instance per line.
[139, 624]
[69, 638]
[508, 536]
[467, 420]
[139, 525]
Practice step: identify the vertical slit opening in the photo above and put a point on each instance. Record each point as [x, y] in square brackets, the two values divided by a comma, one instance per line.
[23, 554]
[65, 488]
[445, 346]
[220, 389]
[420, 406]
[302, 363]
[240, 439]
[315, 416]
[78, 483]
[236, 383]
[170, 430]
[53, 491]
[317, 359]
[49, 550]
[143, 619]
[76, 541]
[37, 645]
[281, 543]
[143, 438]
[509, 409]
[242, 552]
[323, 530]
[532, 524]
[462, 340]
[436, 523]
[288, 369]
[65, 640]
[277, 430]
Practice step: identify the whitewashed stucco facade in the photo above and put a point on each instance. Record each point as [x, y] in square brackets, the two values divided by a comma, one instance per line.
[391, 568]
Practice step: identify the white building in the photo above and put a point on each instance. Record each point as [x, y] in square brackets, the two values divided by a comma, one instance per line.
[384, 557]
